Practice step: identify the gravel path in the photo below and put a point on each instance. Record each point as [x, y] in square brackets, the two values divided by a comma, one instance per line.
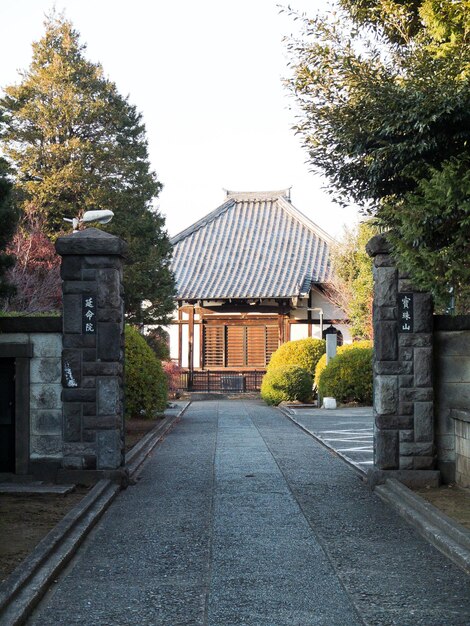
[241, 519]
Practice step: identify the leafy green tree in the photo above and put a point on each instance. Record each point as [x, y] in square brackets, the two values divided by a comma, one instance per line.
[352, 281]
[383, 92]
[159, 340]
[433, 238]
[8, 220]
[76, 144]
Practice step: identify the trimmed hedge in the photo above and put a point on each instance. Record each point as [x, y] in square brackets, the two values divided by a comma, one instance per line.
[303, 352]
[286, 383]
[146, 387]
[348, 377]
[364, 343]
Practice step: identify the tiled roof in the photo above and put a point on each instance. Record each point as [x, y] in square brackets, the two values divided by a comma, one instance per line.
[255, 245]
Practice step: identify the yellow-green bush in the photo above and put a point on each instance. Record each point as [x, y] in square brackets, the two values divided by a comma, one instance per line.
[146, 388]
[365, 343]
[303, 352]
[348, 377]
[286, 383]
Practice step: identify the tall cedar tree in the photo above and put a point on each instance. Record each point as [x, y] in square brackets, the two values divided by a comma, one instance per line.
[8, 220]
[384, 98]
[76, 144]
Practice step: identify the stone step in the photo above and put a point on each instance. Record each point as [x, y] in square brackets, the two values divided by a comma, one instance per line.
[34, 488]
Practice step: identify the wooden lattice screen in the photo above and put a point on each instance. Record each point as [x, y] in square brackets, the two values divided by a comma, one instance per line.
[239, 346]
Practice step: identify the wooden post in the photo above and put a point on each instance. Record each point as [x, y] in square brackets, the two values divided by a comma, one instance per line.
[201, 343]
[180, 337]
[191, 340]
[309, 314]
[280, 321]
[288, 329]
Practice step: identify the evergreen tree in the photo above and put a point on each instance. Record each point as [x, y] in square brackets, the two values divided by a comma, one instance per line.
[76, 144]
[383, 88]
[8, 220]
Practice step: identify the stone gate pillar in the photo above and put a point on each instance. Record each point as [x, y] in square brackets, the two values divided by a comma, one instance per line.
[403, 386]
[93, 354]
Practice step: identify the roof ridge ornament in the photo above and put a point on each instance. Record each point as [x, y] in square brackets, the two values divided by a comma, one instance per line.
[258, 195]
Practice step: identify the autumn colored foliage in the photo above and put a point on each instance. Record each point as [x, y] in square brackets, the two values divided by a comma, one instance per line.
[173, 374]
[36, 273]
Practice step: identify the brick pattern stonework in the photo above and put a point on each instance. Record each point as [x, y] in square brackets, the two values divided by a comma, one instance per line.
[403, 385]
[452, 396]
[462, 446]
[38, 421]
[92, 359]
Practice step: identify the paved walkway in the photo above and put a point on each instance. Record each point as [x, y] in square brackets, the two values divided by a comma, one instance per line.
[241, 519]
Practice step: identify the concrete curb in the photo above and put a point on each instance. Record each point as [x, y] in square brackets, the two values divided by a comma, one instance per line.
[447, 535]
[29, 581]
[444, 533]
[27, 584]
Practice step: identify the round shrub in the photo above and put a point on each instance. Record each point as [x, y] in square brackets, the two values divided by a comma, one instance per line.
[348, 377]
[303, 352]
[146, 387]
[286, 383]
[364, 343]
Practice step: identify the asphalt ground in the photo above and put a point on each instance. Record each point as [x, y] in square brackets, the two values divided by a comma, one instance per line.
[241, 519]
[349, 431]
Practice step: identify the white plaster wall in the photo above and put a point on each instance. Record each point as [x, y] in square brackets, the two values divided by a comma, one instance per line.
[318, 301]
[329, 310]
[184, 358]
[346, 331]
[172, 330]
[298, 331]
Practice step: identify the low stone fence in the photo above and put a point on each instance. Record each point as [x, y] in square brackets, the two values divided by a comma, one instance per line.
[35, 346]
[452, 397]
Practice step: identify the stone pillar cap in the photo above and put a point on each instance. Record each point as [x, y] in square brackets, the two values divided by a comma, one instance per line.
[378, 245]
[91, 241]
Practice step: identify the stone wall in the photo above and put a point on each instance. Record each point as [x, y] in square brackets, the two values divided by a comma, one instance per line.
[452, 405]
[39, 416]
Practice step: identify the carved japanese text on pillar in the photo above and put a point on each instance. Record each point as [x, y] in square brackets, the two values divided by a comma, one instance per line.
[405, 313]
[89, 314]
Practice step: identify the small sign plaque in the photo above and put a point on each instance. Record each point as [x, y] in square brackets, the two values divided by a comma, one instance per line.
[88, 315]
[405, 313]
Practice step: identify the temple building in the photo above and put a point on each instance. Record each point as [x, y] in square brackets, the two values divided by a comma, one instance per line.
[250, 275]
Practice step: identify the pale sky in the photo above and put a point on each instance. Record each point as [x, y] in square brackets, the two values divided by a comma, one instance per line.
[207, 77]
